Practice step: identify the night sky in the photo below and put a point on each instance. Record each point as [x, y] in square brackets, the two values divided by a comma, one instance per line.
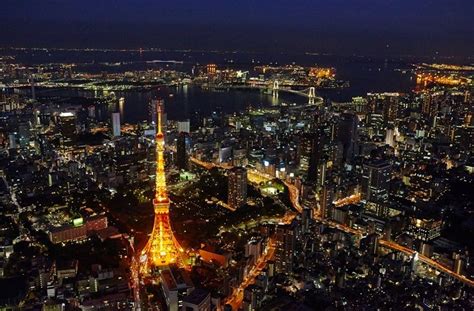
[418, 27]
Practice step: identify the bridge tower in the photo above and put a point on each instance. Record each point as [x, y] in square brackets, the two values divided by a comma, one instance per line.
[276, 87]
[311, 96]
[162, 248]
[32, 85]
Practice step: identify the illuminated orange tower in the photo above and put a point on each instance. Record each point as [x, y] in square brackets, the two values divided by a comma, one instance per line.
[161, 249]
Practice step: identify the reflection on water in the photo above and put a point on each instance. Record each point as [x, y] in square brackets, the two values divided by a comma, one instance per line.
[122, 107]
[365, 74]
[181, 102]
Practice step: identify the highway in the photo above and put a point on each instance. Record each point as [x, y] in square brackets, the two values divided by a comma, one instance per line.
[432, 263]
[294, 196]
[355, 198]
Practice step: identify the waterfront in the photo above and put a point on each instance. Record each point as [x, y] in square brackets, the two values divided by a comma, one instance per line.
[184, 100]
[181, 102]
[364, 74]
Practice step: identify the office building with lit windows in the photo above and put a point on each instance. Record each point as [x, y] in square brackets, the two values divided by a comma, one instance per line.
[237, 189]
[376, 178]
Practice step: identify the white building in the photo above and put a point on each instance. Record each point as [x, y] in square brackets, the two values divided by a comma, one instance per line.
[184, 126]
[116, 124]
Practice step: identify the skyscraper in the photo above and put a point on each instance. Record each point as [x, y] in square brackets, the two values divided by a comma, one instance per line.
[116, 124]
[237, 189]
[310, 152]
[390, 107]
[390, 137]
[376, 178]
[307, 217]
[184, 126]
[326, 196]
[12, 140]
[181, 153]
[67, 127]
[385, 104]
[347, 135]
[285, 246]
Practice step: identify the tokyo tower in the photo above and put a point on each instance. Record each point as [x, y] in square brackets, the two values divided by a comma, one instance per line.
[162, 248]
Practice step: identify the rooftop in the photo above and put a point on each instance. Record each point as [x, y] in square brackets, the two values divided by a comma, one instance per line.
[197, 296]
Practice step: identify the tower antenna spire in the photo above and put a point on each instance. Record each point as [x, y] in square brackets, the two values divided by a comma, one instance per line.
[159, 111]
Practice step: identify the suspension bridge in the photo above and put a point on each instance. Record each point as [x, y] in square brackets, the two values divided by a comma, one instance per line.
[275, 88]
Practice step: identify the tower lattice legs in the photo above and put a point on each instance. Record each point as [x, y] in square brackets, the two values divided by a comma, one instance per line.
[160, 251]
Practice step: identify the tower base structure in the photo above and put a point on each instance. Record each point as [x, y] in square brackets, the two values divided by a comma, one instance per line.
[162, 248]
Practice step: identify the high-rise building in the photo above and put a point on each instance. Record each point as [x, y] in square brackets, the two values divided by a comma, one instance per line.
[360, 104]
[376, 125]
[285, 246]
[463, 137]
[211, 69]
[390, 137]
[326, 198]
[183, 126]
[253, 249]
[426, 104]
[225, 154]
[307, 217]
[425, 229]
[116, 124]
[198, 300]
[431, 103]
[347, 135]
[385, 104]
[253, 296]
[67, 127]
[237, 189]
[370, 244]
[181, 153]
[12, 141]
[391, 107]
[376, 178]
[176, 285]
[310, 152]
[91, 112]
[335, 154]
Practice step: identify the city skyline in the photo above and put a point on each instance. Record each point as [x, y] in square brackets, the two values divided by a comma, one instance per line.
[236, 156]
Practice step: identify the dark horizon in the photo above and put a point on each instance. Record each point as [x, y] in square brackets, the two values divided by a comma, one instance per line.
[393, 28]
